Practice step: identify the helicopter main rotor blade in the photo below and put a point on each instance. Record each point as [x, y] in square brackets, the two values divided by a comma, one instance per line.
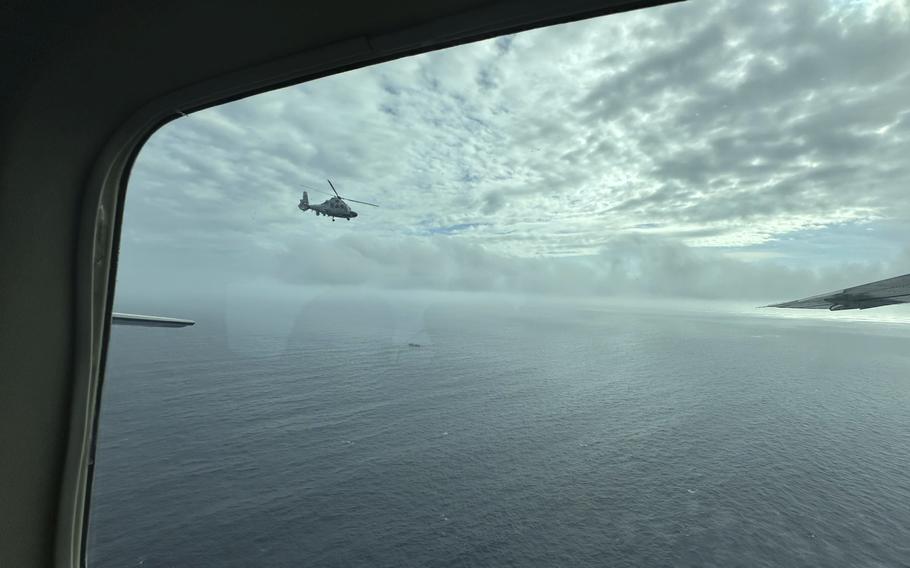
[355, 201]
[311, 188]
[319, 191]
[333, 188]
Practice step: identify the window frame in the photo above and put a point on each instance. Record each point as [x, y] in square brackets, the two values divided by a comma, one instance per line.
[104, 192]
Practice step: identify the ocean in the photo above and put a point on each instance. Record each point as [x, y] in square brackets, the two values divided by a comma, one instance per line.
[458, 430]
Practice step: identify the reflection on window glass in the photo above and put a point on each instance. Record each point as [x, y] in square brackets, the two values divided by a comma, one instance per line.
[527, 334]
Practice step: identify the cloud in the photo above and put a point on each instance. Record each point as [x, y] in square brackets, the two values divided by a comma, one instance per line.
[626, 266]
[493, 202]
[659, 141]
[453, 229]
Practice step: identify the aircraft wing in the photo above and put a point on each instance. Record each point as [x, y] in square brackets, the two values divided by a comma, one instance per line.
[881, 293]
[149, 321]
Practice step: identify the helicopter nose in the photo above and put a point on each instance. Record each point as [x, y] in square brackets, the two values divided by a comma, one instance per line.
[353, 214]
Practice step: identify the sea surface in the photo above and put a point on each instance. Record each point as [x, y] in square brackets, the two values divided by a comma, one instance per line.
[510, 433]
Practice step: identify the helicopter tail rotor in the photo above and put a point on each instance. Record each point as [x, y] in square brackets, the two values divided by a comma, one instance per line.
[304, 202]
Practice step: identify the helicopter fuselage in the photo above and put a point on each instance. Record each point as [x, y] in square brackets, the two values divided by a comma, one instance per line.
[334, 207]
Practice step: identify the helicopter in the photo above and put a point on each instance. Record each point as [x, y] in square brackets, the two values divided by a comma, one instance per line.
[334, 207]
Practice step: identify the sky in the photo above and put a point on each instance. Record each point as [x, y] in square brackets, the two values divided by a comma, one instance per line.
[711, 150]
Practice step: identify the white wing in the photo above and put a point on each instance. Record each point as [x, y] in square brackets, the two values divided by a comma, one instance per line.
[872, 295]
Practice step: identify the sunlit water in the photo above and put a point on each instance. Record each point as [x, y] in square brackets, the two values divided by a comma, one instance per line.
[515, 434]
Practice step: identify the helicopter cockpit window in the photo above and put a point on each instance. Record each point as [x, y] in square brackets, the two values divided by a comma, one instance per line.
[535, 340]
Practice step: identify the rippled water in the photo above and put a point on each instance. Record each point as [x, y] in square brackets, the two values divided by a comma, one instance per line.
[515, 435]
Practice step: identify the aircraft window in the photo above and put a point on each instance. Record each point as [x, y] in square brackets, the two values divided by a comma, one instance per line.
[537, 343]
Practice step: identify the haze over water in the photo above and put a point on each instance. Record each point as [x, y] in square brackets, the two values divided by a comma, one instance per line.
[518, 433]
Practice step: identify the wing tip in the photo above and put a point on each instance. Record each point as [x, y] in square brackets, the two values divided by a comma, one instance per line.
[149, 321]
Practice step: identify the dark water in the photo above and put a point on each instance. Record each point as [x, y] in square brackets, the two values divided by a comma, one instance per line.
[533, 435]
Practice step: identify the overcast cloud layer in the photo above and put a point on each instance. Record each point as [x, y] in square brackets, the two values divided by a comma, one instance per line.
[709, 149]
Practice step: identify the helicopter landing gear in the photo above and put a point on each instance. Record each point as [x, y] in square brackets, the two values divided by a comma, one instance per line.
[333, 219]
